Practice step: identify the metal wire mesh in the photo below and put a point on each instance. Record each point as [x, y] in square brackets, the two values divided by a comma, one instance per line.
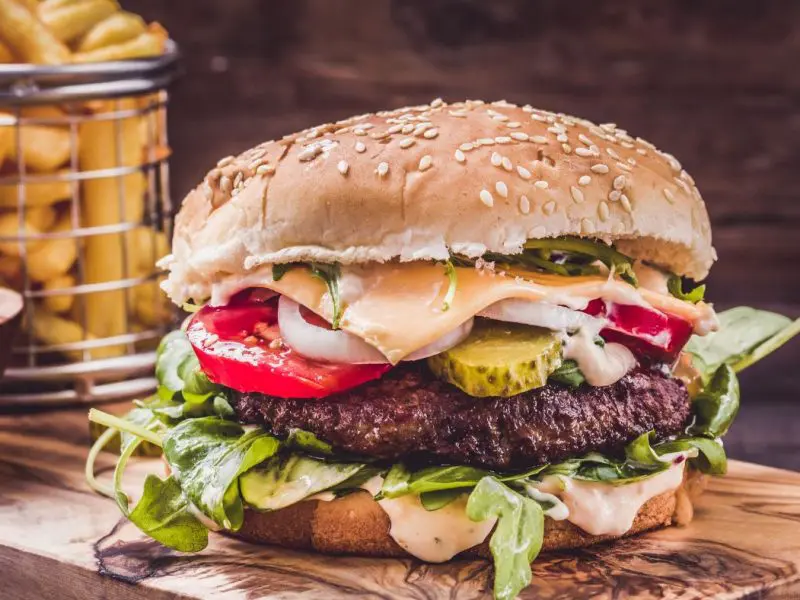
[85, 212]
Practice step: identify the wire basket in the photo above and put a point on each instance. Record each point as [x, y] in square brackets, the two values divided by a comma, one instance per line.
[85, 212]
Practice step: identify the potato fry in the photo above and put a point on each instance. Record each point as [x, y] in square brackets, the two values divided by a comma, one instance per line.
[116, 29]
[45, 111]
[51, 329]
[42, 217]
[31, 5]
[10, 226]
[44, 148]
[55, 257]
[73, 20]
[29, 39]
[6, 56]
[142, 46]
[36, 194]
[63, 302]
[150, 305]
[49, 5]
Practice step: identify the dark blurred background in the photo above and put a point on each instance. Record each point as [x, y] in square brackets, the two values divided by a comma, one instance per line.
[717, 83]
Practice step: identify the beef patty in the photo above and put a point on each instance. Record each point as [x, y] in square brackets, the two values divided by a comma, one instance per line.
[409, 414]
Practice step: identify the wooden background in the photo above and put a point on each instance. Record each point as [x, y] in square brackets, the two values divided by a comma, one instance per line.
[717, 83]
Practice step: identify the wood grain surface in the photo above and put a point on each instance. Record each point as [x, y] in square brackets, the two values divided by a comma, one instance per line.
[59, 540]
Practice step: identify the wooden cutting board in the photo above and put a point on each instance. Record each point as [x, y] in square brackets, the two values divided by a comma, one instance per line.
[58, 540]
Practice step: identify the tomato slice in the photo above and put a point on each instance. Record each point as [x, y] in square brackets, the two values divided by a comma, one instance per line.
[646, 331]
[235, 347]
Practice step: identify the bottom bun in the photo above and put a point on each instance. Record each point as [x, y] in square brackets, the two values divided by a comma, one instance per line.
[356, 524]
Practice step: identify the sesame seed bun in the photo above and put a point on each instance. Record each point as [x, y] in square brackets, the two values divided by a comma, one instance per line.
[417, 183]
[356, 524]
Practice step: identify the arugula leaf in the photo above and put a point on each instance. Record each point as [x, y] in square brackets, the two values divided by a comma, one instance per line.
[716, 406]
[711, 456]
[330, 274]
[675, 287]
[439, 499]
[174, 359]
[621, 264]
[745, 336]
[517, 538]
[569, 374]
[452, 277]
[289, 478]
[207, 457]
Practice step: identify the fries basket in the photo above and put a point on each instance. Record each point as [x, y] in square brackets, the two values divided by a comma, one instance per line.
[85, 212]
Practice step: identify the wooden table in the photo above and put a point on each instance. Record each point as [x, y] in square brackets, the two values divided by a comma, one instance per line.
[59, 540]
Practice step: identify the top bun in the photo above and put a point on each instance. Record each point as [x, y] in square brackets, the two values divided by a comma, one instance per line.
[418, 183]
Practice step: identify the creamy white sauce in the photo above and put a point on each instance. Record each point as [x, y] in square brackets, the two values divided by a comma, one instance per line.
[605, 509]
[557, 512]
[600, 366]
[651, 278]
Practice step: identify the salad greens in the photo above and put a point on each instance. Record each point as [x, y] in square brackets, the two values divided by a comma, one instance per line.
[329, 274]
[219, 467]
[675, 287]
[586, 251]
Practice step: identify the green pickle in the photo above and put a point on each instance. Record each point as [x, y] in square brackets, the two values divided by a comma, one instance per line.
[500, 359]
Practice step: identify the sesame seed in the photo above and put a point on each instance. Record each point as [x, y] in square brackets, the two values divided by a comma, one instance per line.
[460, 156]
[425, 162]
[527, 108]
[583, 152]
[627, 145]
[265, 169]
[619, 182]
[669, 195]
[626, 203]
[520, 136]
[524, 205]
[584, 180]
[343, 167]
[207, 191]
[407, 143]
[507, 164]
[496, 159]
[224, 162]
[379, 135]
[539, 139]
[437, 103]
[514, 124]
[360, 131]
[641, 151]
[542, 184]
[577, 195]
[457, 113]
[599, 168]
[499, 117]
[360, 147]
[225, 184]
[395, 128]
[310, 153]
[566, 148]
[624, 166]
[407, 128]
[582, 137]
[431, 133]
[254, 165]
[587, 226]
[383, 169]
[523, 172]
[487, 198]
[538, 117]
[613, 153]
[466, 146]
[610, 127]
[562, 137]
[614, 195]
[556, 129]
[503, 139]
[549, 208]
[486, 141]
[237, 181]
[603, 210]
[420, 129]
[502, 189]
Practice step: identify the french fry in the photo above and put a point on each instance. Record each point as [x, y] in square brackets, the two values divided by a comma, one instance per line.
[10, 226]
[6, 56]
[49, 5]
[42, 218]
[36, 194]
[142, 46]
[28, 38]
[150, 305]
[63, 302]
[101, 206]
[55, 257]
[52, 329]
[71, 21]
[44, 148]
[116, 29]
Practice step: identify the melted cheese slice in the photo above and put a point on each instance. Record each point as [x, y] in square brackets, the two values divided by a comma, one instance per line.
[399, 307]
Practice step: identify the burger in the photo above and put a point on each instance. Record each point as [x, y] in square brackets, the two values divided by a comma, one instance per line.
[468, 329]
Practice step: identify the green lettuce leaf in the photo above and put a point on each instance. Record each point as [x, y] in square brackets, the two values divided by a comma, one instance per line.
[308, 442]
[621, 264]
[439, 499]
[716, 406]
[208, 456]
[289, 478]
[568, 374]
[675, 287]
[517, 538]
[745, 335]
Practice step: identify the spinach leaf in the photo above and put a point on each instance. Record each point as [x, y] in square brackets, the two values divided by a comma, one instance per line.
[710, 459]
[568, 374]
[330, 274]
[308, 442]
[517, 538]
[396, 482]
[174, 359]
[675, 287]
[439, 499]
[289, 478]
[745, 335]
[716, 406]
[208, 456]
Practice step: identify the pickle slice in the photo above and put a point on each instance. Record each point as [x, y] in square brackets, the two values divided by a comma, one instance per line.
[500, 359]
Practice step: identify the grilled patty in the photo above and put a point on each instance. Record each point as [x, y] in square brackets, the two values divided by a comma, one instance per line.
[410, 415]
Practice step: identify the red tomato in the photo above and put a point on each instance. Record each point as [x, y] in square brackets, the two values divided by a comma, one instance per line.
[231, 355]
[646, 331]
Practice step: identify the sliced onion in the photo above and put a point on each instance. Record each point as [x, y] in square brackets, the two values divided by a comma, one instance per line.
[539, 314]
[319, 343]
[447, 341]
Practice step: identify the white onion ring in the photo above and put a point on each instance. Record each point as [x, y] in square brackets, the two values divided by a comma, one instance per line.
[539, 314]
[320, 343]
[447, 341]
